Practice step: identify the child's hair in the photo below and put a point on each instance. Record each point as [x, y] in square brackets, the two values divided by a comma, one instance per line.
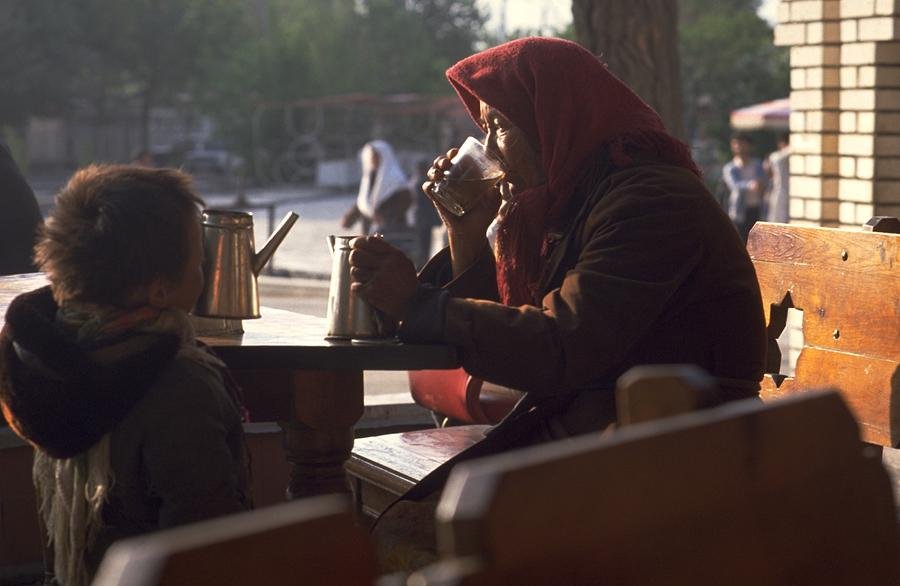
[116, 228]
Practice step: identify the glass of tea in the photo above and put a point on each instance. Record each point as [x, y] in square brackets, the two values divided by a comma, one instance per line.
[475, 172]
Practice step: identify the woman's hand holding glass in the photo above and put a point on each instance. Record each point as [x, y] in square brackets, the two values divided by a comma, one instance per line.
[466, 232]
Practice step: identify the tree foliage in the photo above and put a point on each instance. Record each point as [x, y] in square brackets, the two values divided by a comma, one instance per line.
[728, 61]
[34, 64]
[221, 57]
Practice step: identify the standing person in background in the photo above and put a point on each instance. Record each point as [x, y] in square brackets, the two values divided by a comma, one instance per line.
[384, 197]
[20, 217]
[780, 176]
[746, 180]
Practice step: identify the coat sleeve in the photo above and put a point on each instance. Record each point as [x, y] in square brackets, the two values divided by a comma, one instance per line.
[637, 249]
[479, 281]
[188, 449]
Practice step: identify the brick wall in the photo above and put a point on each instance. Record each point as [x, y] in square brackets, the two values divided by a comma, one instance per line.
[845, 108]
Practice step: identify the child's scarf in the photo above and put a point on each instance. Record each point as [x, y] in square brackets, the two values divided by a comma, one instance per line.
[72, 491]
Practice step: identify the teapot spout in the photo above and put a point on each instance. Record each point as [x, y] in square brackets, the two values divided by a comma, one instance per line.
[262, 257]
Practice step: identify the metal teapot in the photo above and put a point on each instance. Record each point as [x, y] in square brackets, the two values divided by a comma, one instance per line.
[231, 266]
[348, 315]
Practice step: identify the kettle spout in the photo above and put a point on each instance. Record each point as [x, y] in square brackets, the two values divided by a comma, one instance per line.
[262, 257]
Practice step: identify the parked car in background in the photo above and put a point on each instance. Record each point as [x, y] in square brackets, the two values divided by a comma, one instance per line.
[211, 157]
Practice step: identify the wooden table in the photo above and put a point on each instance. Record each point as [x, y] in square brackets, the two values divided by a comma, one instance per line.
[290, 374]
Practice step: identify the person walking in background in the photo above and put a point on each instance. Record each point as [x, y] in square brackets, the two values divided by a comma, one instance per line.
[384, 195]
[746, 180]
[779, 180]
[20, 217]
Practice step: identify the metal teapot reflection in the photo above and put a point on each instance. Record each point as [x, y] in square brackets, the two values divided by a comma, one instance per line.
[231, 265]
[348, 315]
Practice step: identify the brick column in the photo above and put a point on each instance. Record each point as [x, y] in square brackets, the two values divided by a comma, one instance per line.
[870, 110]
[845, 102]
[811, 28]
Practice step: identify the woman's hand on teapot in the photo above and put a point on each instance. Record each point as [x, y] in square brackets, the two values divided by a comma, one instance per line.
[382, 275]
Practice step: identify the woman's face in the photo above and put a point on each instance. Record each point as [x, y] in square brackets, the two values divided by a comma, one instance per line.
[520, 157]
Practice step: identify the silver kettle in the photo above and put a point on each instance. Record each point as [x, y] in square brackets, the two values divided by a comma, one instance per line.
[348, 315]
[231, 265]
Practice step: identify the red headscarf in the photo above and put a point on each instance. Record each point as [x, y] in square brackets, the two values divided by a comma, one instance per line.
[568, 102]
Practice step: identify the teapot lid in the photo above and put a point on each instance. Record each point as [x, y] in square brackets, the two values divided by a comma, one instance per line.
[227, 218]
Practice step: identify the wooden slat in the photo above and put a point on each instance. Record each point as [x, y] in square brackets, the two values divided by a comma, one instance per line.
[864, 382]
[863, 307]
[872, 252]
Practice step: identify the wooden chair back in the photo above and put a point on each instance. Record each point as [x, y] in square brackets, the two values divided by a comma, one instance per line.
[848, 285]
[313, 541]
[654, 391]
[747, 493]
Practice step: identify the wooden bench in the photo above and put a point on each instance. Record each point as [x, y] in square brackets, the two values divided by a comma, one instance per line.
[311, 541]
[847, 282]
[382, 468]
[747, 493]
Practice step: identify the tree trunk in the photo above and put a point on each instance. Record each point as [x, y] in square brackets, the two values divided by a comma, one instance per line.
[639, 41]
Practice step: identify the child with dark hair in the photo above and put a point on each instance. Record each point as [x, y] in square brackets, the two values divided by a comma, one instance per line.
[135, 426]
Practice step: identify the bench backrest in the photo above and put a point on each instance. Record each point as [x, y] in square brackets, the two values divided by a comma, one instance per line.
[653, 391]
[746, 493]
[847, 283]
[313, 541]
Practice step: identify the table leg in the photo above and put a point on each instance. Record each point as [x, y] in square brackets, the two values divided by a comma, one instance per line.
[317, 410]
[317, 459]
